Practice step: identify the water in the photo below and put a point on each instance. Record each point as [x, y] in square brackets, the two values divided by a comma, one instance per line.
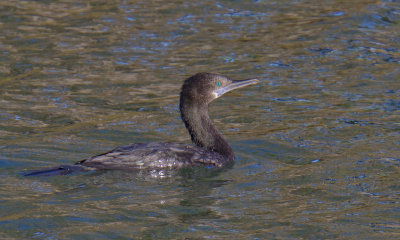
[317, 141]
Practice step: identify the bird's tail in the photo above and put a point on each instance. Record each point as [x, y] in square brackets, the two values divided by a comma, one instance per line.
[60, 170]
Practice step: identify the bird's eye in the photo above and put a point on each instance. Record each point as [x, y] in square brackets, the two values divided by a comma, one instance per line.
[218, 84]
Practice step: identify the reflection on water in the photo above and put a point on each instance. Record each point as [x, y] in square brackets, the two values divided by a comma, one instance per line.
[317, 142]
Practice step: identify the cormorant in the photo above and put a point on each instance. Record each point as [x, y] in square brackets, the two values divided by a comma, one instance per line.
[211, 149]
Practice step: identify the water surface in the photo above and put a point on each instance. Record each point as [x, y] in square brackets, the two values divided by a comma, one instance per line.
[316, 142]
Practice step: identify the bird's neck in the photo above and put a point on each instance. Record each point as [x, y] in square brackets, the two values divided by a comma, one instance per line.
[202, 130]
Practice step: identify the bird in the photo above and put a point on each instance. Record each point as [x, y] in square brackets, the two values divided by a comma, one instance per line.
[210, 147]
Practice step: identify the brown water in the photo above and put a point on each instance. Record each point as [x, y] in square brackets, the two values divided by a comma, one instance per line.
[317, 141]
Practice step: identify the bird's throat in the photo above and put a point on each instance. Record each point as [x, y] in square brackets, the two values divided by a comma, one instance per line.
[203, 131]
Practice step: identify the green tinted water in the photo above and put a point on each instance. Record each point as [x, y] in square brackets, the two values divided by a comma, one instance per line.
[317, 141]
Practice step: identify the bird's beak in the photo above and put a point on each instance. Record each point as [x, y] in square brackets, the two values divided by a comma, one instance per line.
[234, 85]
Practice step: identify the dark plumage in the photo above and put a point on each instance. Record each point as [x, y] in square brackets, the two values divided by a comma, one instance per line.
[211, 148]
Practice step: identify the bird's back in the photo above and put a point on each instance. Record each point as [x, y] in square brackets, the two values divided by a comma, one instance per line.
[154, 155]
